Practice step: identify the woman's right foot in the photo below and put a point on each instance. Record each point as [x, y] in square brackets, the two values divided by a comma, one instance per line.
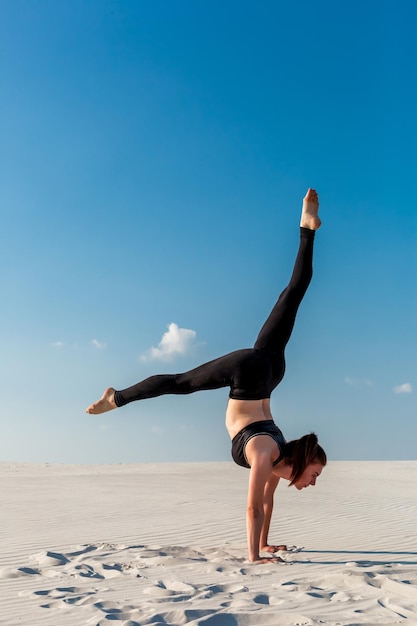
[106, 403]
[310, 212]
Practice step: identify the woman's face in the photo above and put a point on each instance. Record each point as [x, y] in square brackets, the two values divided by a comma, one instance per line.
[309, 476]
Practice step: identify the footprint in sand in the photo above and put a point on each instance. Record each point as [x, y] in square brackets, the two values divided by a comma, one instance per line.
[7, 573]
[67, 596]
[403, 588]
[127, 622]
[49, 559]
[123, 613]
[399, 611]
[161, 589]
[88, 571]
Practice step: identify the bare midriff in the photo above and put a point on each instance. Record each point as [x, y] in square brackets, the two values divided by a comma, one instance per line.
[241, 413]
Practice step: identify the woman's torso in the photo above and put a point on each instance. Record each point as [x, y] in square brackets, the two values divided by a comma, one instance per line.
[241, 413]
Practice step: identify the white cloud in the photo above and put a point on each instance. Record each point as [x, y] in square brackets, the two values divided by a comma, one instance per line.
[98, 344]
[176, 341]
[57, 344]
[358, 382]
[405, 388]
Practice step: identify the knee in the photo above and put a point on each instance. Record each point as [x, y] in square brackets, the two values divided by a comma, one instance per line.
[182, 383]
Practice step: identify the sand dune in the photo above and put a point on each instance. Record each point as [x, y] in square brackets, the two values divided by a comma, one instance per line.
[165, 545]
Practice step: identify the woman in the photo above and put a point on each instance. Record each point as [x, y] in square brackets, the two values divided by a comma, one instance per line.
[252, 374]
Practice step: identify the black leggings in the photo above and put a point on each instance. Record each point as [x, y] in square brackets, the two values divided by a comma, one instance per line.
[250, 373]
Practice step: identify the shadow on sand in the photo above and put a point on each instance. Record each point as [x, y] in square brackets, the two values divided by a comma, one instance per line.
[394, 558]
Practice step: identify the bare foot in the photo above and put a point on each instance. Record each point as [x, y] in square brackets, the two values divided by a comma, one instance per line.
[106, 403]
[310, 212]
[272, 548]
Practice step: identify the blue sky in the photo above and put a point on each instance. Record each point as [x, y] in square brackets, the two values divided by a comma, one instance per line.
[153, 159]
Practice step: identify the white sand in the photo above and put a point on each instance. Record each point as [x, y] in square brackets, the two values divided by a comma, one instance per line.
[165, 545]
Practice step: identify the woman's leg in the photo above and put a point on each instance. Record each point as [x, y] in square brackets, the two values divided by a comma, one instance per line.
[212, 375]
[232, 369]
[277, 329]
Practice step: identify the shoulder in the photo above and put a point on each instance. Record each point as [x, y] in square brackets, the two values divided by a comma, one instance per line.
[261, 450]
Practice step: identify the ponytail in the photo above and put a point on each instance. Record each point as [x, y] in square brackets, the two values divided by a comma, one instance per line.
[302, 452]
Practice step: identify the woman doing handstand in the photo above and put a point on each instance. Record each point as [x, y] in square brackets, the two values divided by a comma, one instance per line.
[252, 374]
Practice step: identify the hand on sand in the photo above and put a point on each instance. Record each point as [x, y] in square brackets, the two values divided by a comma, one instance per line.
[269, 559]
[269, 548]
[310, 211]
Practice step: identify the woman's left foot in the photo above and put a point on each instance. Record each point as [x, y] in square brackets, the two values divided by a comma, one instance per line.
[106, 403]
[310, 212]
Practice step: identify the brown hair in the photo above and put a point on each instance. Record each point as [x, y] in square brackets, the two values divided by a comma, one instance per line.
[301, 452]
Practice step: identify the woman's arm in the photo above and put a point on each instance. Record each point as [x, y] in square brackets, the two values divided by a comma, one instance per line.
[255, 517]
[269, 490]
[260, 452]
[259, 474]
